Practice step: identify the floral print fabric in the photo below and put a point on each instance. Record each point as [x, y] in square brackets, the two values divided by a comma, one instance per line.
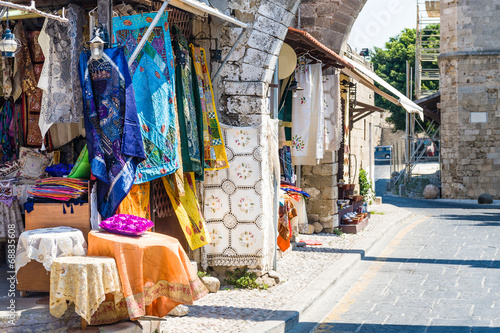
[44, 245]
[153, 79]
[188, 211]
[333, 130]
[84, 281]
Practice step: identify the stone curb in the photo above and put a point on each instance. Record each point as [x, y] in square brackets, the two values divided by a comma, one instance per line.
[288, 316]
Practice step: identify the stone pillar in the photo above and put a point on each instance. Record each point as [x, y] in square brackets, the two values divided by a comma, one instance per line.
[320, 182]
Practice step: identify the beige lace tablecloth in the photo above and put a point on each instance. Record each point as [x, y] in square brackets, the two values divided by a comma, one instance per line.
[44, 245]
[84, 281]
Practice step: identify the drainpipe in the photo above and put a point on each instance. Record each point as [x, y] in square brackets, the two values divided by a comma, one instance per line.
[274, 115]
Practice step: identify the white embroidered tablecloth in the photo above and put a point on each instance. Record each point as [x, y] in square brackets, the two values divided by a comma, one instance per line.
[84, 281]
[44, 245]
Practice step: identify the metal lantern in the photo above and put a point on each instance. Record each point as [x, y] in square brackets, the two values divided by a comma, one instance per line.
[96, 47]
[9, 44]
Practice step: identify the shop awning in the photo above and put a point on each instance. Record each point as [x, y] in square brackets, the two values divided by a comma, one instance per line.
[359, 70]
[431, 106]
[200, 8]
[302, 42]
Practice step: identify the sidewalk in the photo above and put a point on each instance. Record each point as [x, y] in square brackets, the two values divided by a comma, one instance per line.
[305, 274]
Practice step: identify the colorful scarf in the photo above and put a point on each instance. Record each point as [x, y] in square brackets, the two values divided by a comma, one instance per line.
[213, 143]
[153, 79]
[190, 121]
[113, 131]
[188, 211]
[7, 141]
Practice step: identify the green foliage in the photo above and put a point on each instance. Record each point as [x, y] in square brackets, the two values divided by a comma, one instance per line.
[202, 274]
[390, 65]
[338, 231]
[365, 186]
[374, 212]
[242, 278]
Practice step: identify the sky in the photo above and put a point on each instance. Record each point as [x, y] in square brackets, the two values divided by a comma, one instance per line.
[381, 19]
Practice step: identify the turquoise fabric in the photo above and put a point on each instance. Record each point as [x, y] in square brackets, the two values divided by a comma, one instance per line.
[153, 78]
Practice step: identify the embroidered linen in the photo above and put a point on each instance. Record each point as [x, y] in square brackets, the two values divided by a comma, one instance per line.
[33, 163]
[188, 211]
[84, 281]
[333, 130]
[147, 289]
[6, 192]
[11, 220]
[190, 121]
[113, 132]
[62, 44]
[307, 109]
[153, 80]
[236, 201]
[213, 143]
[44, 245]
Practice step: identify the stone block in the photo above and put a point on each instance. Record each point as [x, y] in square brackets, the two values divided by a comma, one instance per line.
[324, 170]
[313, 192]
[270, 26]
[241, 88]
[318, 227]
[324, 207]
[259, 58]
[320, 181]
[247, 105]
[212, 283]
[329, 221]
[312, 217]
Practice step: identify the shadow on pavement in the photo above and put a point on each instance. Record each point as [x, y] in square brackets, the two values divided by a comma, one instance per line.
[471, 263]
[365, 328]
[238, 313]
[423, 203]
[484, 220]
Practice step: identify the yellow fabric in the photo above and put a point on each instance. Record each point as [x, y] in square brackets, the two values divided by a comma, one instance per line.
[215, 150]
[136, 202]
[155, 272]
[188, 211]
[84, 281]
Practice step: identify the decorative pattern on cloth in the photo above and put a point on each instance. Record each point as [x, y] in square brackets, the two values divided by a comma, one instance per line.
[23, 65]
[333, 130]
[153, 78]
[10, 216]
[7, 138]
[147, 289]
[6, 192]
[5, 74]
[190, 121]
[34, 47]
[236, 200]
[160, 201]
[44, 245]
[188, 211]
[286, 213]
[84, 281]
[114, 139]
[307, 110]
[62, 44]
[213, 143]
[136, 202]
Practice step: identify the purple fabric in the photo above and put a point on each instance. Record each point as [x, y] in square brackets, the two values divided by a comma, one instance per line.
[128, 225]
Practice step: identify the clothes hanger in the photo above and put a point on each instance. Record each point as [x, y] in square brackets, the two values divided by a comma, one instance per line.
[310, 56]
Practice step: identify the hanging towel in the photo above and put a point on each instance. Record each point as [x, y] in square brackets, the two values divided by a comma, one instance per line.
[333, 132]
[306, 111]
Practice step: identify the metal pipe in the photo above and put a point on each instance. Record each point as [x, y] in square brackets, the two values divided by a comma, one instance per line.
[274, 115]
[32, 9]
[139, 47]
[228, 55]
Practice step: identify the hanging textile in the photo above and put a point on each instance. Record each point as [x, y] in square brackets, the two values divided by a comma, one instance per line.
[188, 211]
[5, 74]
[190, 121]
[136, 202]
[286, 213]
[23, 64]
[333, 130]
[61, 44]
[113, 132]
[154, 82]
[307, 108]
[238, 201]
[7, 141]
[213, 143]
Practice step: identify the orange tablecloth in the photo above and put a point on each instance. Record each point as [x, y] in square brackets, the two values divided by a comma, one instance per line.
[155, 272]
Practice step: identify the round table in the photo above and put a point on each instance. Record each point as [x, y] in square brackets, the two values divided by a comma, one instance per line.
[44, 245]
[85, 281]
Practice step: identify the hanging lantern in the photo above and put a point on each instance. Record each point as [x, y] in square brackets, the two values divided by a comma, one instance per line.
[9, 44]
[96, 47]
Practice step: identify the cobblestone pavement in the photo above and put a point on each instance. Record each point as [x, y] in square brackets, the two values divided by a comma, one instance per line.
[441, 273]
[239, 310]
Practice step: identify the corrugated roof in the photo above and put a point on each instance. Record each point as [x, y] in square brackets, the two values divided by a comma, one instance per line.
[301, 41]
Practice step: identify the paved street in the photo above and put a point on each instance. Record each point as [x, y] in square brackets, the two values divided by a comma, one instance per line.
[439, 273]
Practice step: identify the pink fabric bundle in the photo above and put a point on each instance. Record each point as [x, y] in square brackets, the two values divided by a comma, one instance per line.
[128, 225]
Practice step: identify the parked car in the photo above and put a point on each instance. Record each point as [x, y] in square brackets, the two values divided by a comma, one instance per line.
[383, 152]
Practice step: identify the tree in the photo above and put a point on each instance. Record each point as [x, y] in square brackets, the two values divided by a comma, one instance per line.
[390, 65]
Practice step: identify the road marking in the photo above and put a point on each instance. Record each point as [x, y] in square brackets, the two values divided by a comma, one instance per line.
[359, 286]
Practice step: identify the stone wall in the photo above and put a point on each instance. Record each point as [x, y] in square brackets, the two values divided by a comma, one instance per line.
[470, 107]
